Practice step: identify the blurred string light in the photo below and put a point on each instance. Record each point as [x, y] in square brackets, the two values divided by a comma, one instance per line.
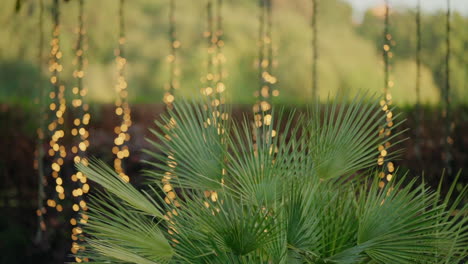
[208, 79]
[418, 123]
[173, 85]
[39, 153]
[220, 59]
[168, 99]
[214, 85]
[216, 59]
[122, 108]
[57, 107]
[80, 134]
[314, 49]
[449, 124]
[388, 167]
[262, 108]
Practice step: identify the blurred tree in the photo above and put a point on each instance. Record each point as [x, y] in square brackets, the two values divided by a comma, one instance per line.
[433, 49]
[18, 82]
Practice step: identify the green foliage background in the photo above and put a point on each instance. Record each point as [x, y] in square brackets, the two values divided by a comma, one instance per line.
[349, 53]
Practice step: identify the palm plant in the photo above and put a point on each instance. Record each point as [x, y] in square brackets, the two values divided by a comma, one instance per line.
[298, 191]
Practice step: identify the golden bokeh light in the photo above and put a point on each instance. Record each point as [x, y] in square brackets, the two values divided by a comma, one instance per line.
[213, 84]
[58, 108]
[386, 102]
[79, 131]
[262, 108]
[173, 84]
[122, 107]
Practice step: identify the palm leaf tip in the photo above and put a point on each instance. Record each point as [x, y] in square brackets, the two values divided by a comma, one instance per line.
[103, 175]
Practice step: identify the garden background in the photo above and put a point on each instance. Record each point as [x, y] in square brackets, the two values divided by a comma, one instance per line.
[349, 59]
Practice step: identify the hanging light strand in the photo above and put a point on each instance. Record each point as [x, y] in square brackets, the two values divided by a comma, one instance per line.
[168, 99]
[314, 49]
[261, 65]
[220, 59]
[208, 79]
[80, 134]
[418, 118]
[385, 130]
[214, 86]
[262, 109]
[57, 107]
[173, 85]
[39, 154]
[418, 53]
[219, 113]
[122, 108]
[261, 53]
[268, 40]
[446, 109]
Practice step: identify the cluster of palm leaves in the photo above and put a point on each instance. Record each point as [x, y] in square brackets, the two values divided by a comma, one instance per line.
[296, 191]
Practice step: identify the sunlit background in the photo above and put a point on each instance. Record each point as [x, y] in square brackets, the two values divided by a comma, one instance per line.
[349, 48]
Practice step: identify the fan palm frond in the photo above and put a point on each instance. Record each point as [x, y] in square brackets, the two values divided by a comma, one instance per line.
[295, 191]
[119, 233]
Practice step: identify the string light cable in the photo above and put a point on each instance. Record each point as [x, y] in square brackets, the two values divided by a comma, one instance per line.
[314, 49]
[449, 124]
